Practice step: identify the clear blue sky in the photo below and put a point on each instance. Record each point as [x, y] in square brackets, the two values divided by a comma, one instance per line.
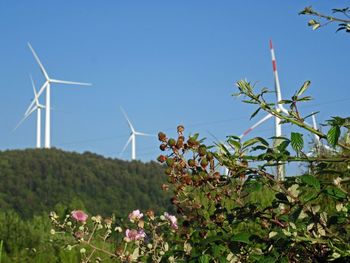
[165, 62]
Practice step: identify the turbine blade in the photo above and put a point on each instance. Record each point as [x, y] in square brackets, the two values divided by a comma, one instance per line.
[126, 145]
[38, 95]
[275, 73]
[58, 81]
[268, 116]
[144, 134]
[127, 119]
[24, 118]
[38, 61]
[34, 90]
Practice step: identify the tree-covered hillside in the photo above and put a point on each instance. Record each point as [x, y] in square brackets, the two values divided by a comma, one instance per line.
[36, 181]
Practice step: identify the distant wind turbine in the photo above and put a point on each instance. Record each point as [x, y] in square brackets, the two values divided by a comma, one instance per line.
[279, 107]
[280, 169]
[47, 85]
[132, 137]
[37, 107]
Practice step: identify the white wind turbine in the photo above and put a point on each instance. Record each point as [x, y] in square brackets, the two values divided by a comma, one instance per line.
[47, 85]
[37, 107]
[318, 145]
[280, 169]
[132, 137]
[279, 107]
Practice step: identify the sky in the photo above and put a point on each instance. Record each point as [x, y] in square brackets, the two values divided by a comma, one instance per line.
[166, 63]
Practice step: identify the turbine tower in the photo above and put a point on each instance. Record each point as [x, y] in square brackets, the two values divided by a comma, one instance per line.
[47, 86]
[132, 137]
[280, 169]
[37, 107]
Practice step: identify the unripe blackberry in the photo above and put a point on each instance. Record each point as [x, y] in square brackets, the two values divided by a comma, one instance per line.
[168, 171]
[210, 156]
[202, 150]
[162, 136]
[170, 162]
[161, 158]
[179, 143]
[191, 142]
[191, 163]
[162, 147]
[171, 142]
[204, 163]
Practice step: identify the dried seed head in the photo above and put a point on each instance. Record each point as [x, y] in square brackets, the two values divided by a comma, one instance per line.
[202, 150]
[180, 129]
[162, 136]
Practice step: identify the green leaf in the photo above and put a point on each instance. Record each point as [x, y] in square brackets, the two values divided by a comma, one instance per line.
[310, 180]
[282, 197]
[304, 87]
[254, 141]
[333, 135]
[242, 237]
[282, 146]
[297, 141]
[285, 102]
[336, 192]
[255, 113]
[236, 144]
[204, 259]
[306, 98]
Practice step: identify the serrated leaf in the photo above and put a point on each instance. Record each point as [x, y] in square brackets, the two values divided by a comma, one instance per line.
[303, 88]
[242, 237]
[336, 193]
[310, 180]
[333, 135]
[297, 142]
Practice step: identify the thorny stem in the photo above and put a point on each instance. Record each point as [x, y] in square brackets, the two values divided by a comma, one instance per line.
[99, 249]
[279, 115]
[331, 18]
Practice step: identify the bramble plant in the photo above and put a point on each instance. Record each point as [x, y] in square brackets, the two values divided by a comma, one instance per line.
[245, 216]
[322, 20]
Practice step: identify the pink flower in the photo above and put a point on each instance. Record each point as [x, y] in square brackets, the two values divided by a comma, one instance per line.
[135, 215]
[172, 219]
[79, 215]
[134, 234]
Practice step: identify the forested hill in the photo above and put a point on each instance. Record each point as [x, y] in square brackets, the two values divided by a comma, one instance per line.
[37, 181]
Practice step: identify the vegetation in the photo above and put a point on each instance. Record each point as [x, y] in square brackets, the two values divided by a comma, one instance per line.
[339, 15]
[35, 181]
[247, 215]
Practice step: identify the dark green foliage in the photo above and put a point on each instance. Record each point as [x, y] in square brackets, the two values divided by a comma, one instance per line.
[37, 181]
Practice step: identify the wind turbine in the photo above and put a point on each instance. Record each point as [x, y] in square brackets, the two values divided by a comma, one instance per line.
[280, 169]
[318, 145]
[47, 85]
[37, 107]
[132, 137]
